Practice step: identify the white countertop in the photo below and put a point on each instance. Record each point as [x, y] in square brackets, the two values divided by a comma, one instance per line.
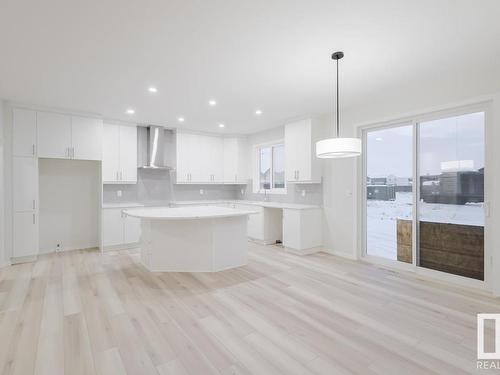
[185, 213]
[294, 206]
[268, 204]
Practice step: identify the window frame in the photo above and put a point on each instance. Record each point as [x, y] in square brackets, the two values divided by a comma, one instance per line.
[256, 175]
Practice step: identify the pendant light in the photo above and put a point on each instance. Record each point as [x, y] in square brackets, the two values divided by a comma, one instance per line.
[338, 147]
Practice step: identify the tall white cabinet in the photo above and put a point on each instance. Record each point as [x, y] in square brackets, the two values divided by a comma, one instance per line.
[25, 183]
[119, 161]
[209, 159]
[301, 163]
[41, 134]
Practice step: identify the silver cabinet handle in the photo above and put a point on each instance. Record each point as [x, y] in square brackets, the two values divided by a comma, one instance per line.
[72, 152]
[298, 174]
[33, 204]
[34, 220]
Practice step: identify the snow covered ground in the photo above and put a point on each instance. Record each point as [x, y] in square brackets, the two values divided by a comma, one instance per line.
[382, 220]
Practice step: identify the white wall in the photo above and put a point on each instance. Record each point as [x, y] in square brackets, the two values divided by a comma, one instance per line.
[342, 178]
[3, 257]
[69, 204]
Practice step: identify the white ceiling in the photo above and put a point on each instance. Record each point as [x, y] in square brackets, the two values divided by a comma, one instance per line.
[100, 56]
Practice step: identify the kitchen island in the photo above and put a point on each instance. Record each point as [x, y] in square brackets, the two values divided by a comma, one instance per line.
[192, 239]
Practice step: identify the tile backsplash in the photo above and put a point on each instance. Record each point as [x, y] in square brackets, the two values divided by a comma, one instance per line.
[158, 186]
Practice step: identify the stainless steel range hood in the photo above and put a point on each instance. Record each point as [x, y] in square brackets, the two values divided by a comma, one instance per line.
[152, 148]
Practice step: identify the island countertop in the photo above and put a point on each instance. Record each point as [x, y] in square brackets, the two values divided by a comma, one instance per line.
[185, 213]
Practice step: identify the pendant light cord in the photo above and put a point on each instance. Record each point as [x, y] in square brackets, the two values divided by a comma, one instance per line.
[338, 114]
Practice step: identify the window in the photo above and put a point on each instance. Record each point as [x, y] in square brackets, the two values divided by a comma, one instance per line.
[271, 169]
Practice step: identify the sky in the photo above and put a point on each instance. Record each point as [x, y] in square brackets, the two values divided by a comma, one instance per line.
[389, 151]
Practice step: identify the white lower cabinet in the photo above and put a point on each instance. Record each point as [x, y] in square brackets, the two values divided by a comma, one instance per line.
[302, 229]
[118, 229]
[132, 229]
[25, 235]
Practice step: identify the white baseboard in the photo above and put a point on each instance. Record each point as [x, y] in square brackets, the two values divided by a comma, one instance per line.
[121, 247]
[311, 250]
[26, 259]
[340, 254]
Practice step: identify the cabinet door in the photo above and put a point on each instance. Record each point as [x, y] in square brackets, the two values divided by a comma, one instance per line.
[128, 154]
[24, 132]
[216, 159]
[291, 229]
[230, 160]
[132, 229]
[86, 137]
[298, 151]
[184, 149]
[112, 227]
[243, 160]
[25, 234]
[25, 182]
[54, 135]
[110, 153]
[200, 160]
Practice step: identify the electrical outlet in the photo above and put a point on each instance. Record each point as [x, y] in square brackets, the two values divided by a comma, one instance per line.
[202, 192]
[118, 193]
[303, 193]
[58, 247]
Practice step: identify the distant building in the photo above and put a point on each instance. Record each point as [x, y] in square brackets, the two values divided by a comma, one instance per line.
[453, 187]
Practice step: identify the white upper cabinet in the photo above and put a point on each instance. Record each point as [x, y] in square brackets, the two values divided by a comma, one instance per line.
[24, 132]
[301, 163]
[128, 154]
[110, 153]
[69, 137]
[184, 158]
[209, 159]
[235, 161]
[86, 136]
[119, 154]
[54, 135]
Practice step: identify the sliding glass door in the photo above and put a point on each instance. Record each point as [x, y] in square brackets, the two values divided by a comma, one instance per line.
[389, 192]
[450, 211]
[445, 230]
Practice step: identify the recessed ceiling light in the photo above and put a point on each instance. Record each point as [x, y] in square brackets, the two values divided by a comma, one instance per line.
[180, 119]
[221, 125]
[258, 112]
[212, 102]
[153, 90]
[130, 111]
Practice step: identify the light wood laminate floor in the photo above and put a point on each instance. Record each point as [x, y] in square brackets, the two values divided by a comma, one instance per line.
[86, 313]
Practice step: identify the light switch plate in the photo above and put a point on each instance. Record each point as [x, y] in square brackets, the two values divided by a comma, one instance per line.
[202, 192]
[118, 193]
[303, 193]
